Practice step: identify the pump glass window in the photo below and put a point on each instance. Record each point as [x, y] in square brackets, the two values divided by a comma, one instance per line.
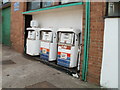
[113, 9]
[31, 35]
[66, 38]
[35, 4]
[46, 36]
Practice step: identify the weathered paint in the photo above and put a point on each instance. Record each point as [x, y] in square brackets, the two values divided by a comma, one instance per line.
[6, 25]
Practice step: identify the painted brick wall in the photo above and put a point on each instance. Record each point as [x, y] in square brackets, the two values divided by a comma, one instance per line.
[96, 41]
[17, 27]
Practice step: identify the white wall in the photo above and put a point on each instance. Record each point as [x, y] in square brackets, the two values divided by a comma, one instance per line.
[62, 17]
[109, 71]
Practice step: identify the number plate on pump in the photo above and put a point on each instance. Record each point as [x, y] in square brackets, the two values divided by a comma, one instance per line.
[63, 56]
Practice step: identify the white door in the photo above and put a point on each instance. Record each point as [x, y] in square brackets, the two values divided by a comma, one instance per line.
[109, 71]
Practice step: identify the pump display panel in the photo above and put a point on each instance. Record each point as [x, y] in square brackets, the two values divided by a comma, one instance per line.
[31, 35]
[66, 38]
[46, 36]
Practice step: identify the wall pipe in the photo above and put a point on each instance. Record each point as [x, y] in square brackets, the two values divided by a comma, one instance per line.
[86, 42]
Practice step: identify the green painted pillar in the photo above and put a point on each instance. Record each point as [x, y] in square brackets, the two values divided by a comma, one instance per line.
[86, 42]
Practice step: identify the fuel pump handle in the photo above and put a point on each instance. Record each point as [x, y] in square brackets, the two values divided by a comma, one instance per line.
[79, 53]
[79, 48]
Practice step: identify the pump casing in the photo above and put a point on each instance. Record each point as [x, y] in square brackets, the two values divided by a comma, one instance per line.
[33, 39]
[68, 46]
[48, 44]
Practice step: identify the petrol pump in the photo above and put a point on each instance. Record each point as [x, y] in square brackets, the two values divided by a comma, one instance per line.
[68, 47]
[33, 39]
[48, 44]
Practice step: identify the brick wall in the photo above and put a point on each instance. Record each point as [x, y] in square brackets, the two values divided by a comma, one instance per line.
[96, 41]
[17, 27]
[96, 37]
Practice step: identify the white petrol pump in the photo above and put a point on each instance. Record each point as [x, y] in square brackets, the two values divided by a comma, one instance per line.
[48, 44]
[68, 47]
[33, 39]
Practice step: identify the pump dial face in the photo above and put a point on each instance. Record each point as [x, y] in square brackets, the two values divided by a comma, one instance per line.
[46, 36]
[44, 51]
[66, 38]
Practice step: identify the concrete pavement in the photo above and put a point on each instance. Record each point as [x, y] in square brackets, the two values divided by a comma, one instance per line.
[28, 72]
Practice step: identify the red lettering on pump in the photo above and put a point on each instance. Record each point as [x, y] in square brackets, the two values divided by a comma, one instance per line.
[65, 47]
